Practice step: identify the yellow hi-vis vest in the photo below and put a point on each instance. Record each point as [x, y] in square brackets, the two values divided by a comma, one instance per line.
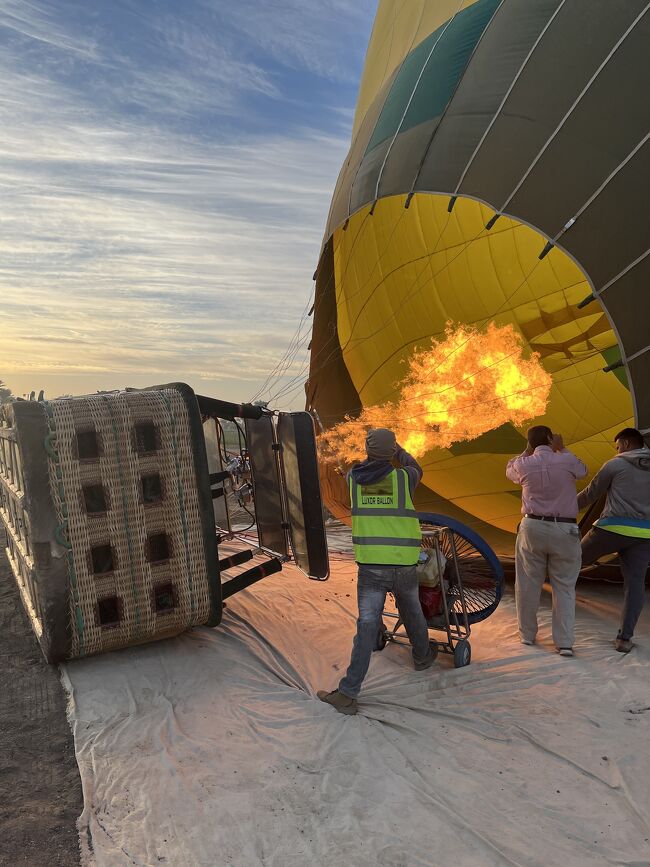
[385, 525]
[637, 528]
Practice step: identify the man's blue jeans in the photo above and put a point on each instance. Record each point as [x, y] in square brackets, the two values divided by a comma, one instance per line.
[373, 583]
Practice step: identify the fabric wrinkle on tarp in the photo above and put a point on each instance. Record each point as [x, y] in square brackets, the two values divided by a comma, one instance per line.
[212, 748]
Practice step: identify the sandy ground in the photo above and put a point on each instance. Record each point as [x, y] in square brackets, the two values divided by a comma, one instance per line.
[211, 748]
[40, 789]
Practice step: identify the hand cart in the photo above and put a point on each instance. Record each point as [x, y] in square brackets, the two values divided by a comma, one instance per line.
[471, 584]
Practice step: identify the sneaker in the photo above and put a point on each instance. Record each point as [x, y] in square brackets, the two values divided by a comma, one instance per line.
[423, 664]
[565, 651]
[623, 645]
[341, 703]
[527, 641]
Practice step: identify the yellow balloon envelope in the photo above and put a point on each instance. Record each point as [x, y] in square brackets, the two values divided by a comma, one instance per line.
[498, 172]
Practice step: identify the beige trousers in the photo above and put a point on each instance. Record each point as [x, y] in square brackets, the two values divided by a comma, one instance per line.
[544, 550]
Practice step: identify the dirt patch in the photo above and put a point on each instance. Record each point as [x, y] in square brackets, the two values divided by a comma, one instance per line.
[40, 789]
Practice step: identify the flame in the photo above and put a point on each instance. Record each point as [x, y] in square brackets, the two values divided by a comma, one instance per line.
[464, 385]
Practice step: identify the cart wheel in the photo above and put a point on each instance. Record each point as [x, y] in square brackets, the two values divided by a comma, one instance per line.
[383, 637]
[434, 648]
[462, 654]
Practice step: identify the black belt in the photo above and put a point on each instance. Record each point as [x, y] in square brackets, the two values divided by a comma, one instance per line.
[551, 518]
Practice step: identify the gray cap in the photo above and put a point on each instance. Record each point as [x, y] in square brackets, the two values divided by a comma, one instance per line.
[380, 444]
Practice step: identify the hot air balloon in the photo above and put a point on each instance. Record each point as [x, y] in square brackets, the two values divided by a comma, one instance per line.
[497, 176]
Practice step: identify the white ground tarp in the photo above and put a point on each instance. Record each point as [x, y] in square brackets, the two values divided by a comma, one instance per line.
[211, 748]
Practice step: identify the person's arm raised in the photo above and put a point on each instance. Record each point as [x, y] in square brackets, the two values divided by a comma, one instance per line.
[408, 462]
[596, 488]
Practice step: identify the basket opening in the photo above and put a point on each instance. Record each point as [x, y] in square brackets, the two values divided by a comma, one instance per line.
[151, 489]
[146, 440]
[94, 499]
[87, 445]
[109, 611]
[158, 548]
[103, 559]
[164, 598]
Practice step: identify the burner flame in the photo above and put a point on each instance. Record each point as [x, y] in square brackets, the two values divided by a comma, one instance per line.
[464, 385]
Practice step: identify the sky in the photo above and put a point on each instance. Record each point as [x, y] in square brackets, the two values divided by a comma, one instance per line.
[165, 174]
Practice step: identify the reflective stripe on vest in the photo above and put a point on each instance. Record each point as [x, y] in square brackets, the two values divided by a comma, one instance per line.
[385, 525]
[635, 528]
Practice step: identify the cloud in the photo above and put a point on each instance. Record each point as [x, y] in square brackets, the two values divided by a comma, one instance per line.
[148, 229]
[319, 35]
[37, 23]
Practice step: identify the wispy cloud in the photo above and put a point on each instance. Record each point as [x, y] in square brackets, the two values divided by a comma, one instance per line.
[326, 37]
[155, 223]
[40, 24]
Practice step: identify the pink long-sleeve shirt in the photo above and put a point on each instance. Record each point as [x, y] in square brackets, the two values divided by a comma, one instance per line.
[548, 482]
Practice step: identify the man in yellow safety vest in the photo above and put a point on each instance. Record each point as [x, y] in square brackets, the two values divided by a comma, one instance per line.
[386, 537]
[624, 525]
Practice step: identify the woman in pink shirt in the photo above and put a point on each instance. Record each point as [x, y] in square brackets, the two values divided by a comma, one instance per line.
[548, 538]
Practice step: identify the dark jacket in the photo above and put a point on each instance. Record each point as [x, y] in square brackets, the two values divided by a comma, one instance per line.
[626, 479]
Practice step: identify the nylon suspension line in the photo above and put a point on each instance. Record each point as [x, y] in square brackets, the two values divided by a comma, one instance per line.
[411, 97]
[507, 94]
[572, 108]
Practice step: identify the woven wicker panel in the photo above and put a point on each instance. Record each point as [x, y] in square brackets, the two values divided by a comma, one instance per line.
[16, 523]
[128, 523]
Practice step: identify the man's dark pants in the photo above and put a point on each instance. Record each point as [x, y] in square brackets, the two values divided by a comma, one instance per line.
[635, 558]
[373, 584]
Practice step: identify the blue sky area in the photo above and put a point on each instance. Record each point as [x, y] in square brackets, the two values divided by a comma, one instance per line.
[165, 171]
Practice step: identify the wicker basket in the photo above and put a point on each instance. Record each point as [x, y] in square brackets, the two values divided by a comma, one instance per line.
[108, 512]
